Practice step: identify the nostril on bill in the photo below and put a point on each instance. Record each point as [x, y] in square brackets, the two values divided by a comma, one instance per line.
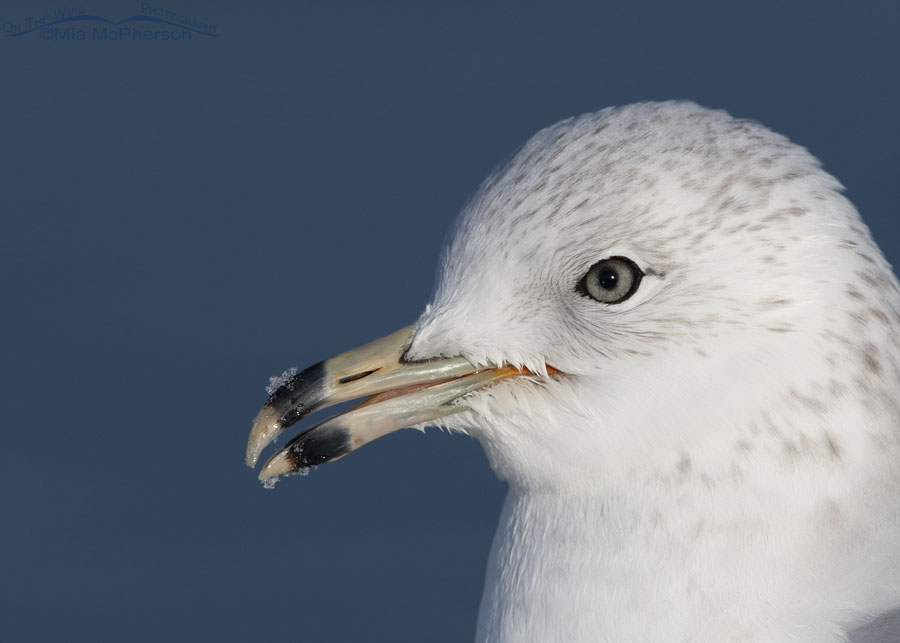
[358, 376]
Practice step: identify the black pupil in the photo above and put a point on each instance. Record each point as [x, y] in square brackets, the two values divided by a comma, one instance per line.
[608, 278]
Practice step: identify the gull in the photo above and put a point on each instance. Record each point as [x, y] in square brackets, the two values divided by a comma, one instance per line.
[677, 342]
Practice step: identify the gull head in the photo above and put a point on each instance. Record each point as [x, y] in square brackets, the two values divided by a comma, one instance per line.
[651, 291]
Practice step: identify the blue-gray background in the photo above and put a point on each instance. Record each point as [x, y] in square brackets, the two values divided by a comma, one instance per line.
[181, 220]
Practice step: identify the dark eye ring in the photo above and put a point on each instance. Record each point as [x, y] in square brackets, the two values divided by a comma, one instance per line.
[611, 281]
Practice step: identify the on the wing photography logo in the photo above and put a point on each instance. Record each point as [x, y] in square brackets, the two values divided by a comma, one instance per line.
[151, 23]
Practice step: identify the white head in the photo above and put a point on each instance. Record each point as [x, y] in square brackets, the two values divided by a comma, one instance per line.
[757, 278]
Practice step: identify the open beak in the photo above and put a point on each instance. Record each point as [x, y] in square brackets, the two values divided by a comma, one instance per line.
[400, 394]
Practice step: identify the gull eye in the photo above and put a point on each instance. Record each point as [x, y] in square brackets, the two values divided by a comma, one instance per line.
[611, 281]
